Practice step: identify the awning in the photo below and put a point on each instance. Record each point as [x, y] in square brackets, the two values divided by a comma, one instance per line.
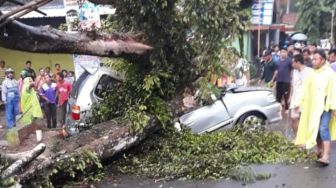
[282, 27]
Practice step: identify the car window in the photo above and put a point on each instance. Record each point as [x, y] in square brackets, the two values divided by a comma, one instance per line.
[77, 84]
[105, 84]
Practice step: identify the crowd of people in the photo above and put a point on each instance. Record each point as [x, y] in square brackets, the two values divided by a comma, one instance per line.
[304, 81]
[35, 96]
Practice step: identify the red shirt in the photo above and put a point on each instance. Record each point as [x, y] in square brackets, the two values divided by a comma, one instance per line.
[63, 89]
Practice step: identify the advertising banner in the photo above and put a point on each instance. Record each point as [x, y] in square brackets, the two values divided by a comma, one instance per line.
[89, 17]
[262, 12]
[83, 16]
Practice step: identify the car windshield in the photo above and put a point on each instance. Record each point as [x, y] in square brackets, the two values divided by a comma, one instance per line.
[78, 83]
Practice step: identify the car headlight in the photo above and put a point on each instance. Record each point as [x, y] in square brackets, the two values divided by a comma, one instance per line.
[270, 98]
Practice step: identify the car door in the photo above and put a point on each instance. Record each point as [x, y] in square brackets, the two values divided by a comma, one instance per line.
[207, 118]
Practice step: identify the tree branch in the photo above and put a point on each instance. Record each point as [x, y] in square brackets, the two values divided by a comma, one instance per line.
[36, 4]
[19, 3]
[17, 165]
[106, 140]
[19, 36]
[24, 12]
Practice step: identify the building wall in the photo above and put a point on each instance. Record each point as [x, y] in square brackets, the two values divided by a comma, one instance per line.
[17, 59]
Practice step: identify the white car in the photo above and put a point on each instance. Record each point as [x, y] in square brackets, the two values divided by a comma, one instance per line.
[88, 89]
[249, 107]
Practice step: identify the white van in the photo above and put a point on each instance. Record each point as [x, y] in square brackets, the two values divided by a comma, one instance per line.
[89, 89]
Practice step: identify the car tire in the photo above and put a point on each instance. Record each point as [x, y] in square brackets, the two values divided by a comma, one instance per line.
[252, 121]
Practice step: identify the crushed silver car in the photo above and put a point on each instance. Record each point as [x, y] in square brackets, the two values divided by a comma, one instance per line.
[249, 107]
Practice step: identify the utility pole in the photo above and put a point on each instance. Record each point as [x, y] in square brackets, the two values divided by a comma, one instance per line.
[259, 23]
[288, 6]
[332, 27]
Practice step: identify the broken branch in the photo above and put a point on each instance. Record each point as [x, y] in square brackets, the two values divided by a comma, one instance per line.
[17, 165]
[22, 8]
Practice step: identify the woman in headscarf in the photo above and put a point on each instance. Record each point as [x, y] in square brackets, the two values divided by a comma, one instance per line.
[29, 102]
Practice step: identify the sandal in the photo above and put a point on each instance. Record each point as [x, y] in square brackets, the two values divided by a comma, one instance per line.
[322, 162]
[317, 154]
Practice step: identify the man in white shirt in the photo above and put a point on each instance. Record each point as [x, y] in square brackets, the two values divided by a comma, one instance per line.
[241, 72]
[300, 73]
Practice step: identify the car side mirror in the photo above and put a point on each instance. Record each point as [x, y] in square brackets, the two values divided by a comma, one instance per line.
[213, 97]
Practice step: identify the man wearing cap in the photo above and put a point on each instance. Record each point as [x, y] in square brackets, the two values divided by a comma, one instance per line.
[11, 97]
[269, 69]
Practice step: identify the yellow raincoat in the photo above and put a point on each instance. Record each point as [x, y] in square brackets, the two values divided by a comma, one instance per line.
[29, 103]
[319, 94]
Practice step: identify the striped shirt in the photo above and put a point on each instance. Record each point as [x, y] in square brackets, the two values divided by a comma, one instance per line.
[2, 75]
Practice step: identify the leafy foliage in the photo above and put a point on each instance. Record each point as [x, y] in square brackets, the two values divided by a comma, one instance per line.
[4, 163]
[315, 18]
[189, 40]
[172, 154]
[83, 167]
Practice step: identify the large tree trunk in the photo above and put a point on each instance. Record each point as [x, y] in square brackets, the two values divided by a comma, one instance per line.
[18, 36]
[106, 140]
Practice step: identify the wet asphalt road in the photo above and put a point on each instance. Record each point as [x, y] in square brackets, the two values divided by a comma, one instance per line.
[289, 176]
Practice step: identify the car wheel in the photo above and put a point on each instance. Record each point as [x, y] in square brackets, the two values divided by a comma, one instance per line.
[252, 121]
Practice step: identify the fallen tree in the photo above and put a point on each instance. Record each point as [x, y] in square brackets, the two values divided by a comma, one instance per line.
[45, 39]
[186, 39]
[101, 142]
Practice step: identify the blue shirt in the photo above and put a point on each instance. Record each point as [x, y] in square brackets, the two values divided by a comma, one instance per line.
[49, 91]
[276, 58]
[284, 70]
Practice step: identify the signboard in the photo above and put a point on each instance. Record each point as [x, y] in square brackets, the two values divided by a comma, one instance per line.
[91, 63]
[88, 18]
[262, 13]
[325, 44]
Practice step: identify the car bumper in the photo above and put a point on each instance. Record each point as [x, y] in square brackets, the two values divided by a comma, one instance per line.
[273, 112]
